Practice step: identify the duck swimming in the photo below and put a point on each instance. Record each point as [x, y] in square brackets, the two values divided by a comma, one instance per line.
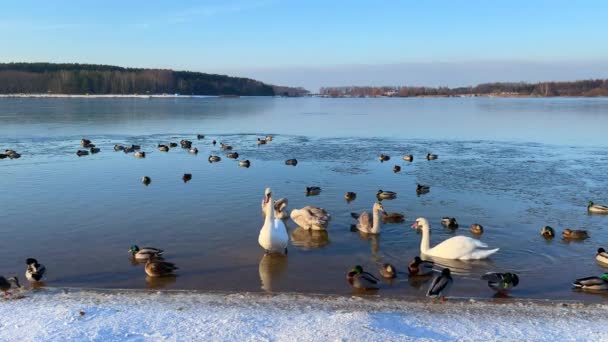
[200, 136]
[185, 143]
[396, 168]
[408, 157]
[431, 156]
[268, 138]
[139, 154]
[381, 194]
[350, 196]
[578, 234]
[244, 163]
[311, 218]
[94, 150]
[449, 222]
[81, 153]
[441, 285]
[273, 236]
[85, 142]
[292, 162]
[146, 180]
[388, 271]
[159, 268]
[422, 189]
[232, 155]
[601, 256]
[118, 147]
[597, 208]
[193, 150]
[547, 232]
[312, 190]
[145, 253]
[225, 147]
[501, 282]
[476, 229]
[419, 267]
[392, 217]
[367, 224]
[384, 157]
[34, 271]
[362, 280]
[172, 144]
[261, 142]
[214, 159]
[187, 177]
[592, 283]
[163, 148]
[457, 247]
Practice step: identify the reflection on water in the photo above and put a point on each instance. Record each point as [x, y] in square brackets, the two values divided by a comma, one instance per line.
[272, 268]
[160, 282]
[97, 207]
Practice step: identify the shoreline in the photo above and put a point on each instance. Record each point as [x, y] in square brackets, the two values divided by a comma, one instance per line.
[57, 314]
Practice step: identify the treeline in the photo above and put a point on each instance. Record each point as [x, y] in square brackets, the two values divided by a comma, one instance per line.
[586, 88]
[38, 78]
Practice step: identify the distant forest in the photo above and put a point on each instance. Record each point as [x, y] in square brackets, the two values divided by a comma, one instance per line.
[40, 78]
[587, 88]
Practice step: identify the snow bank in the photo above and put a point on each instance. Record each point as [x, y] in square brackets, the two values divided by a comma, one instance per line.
[60, 315]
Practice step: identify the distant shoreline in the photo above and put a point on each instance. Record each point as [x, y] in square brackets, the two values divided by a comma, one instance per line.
[104, 96]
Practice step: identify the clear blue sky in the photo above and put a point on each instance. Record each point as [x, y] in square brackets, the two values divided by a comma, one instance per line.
[315, 43]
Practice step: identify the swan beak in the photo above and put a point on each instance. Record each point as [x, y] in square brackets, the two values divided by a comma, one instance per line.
[415, 225]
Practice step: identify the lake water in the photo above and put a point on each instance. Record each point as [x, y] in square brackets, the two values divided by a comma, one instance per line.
[512, 165]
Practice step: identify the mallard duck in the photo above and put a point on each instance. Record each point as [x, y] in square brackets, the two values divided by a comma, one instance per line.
[268, 138]
[597, 208]
[232, 155]
[172, 144]
[384, 157]
[501, 282]
[547, 232]
[118, 147]
[34, 271]
[396, 168]
[163, 148]
[592, 283]
[408, 157]
[158, 268]
[392, 217]
[128, 150]
[145, 253]
[420, 268]
[476, 229]
[261, 142]
[359, 279]
[449, 222]
[601, 256]
[422, 189]
[187, 177]
[7, 284]
[139, 154]
[578, 234]
[213, 159]
[146, 180]
[440, 285]
[12, 154]
[94, 150]
[292, 162]
[244, 163]
[431, 156]
[84, 142]
[312, 190]
[381, 194]
[2, 156]
[185, 143]
[225, 147]
[388, 271]
[81, 153]
[193, 150]
[135, 147]
[280, 208]
[350, 196]
[200, 136]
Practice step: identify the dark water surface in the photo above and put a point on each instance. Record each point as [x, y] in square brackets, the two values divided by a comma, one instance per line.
[512, 165]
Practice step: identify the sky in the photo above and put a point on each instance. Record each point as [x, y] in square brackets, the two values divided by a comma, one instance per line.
[318, 43]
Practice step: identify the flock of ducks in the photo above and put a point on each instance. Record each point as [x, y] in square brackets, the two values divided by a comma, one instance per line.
[273, 236]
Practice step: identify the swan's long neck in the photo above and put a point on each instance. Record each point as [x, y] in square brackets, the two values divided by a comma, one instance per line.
[268, 210]
[376, 221]
[425, 243]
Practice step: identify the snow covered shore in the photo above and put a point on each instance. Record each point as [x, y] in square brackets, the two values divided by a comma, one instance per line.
[85, 315]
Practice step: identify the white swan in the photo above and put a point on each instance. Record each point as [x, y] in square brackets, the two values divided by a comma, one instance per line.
[363, 220]
[458, 247]
[273, 235]
[311, 218]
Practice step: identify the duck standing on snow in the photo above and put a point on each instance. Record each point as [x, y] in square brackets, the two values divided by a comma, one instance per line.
[362, 280]
[273, 236]
[420, 268]
[501, 282]
[441, 285]
[7, 284]
[368, 225]
[457, 247]
[597, 208]
[602, 256]
[145, 253]
[592, 283]
[311, 218]
[34, 271]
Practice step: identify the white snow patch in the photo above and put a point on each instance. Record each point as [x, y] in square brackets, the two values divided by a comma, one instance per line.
[54, 315]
